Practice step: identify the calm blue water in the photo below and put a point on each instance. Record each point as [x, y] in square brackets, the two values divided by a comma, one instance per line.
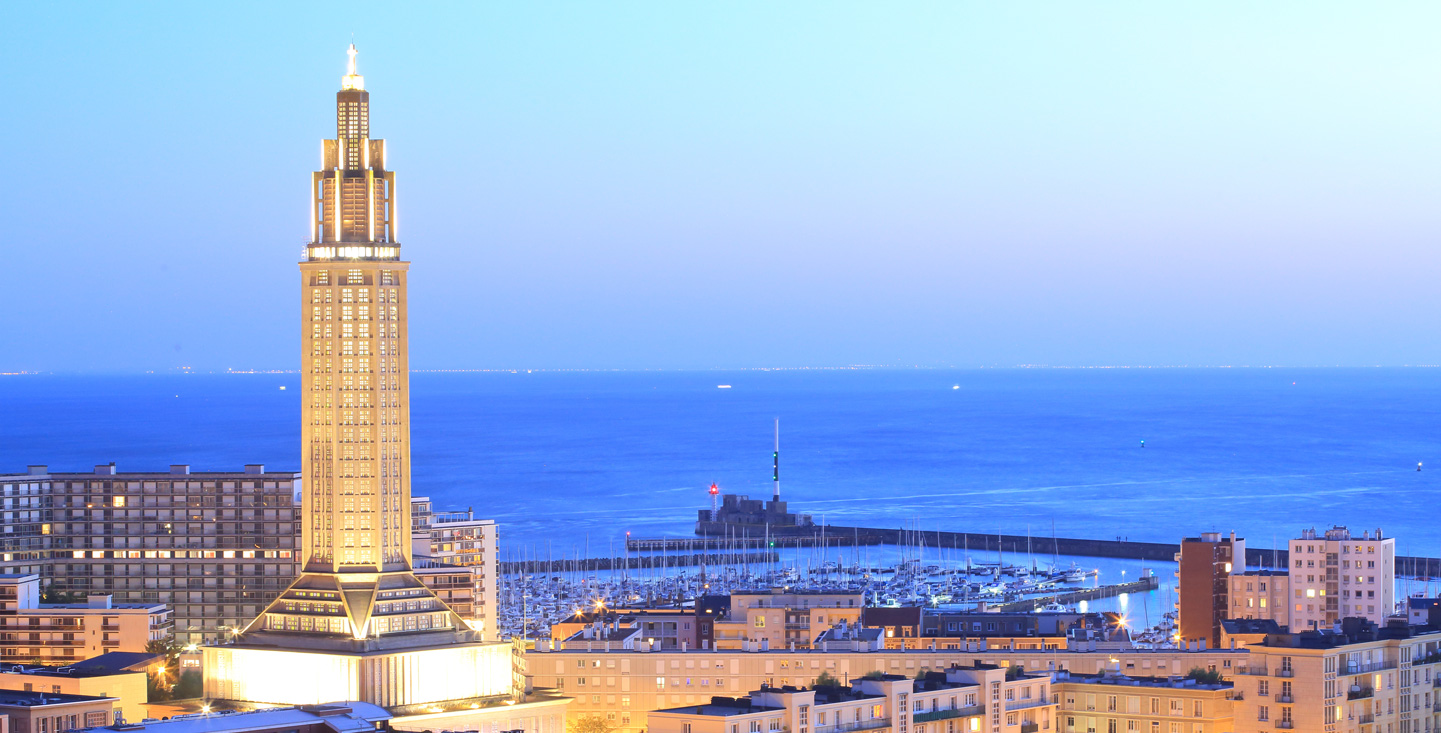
[562, 459]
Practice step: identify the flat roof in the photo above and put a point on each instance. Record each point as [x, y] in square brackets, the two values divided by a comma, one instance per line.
[136, 474]
[722, 709]
[88, 607]
[1175, 683]
[22, 698]
[342, 717]
[913, 652]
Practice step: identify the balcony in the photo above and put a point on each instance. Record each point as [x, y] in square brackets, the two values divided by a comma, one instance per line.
[1360, 694]
[1369, 667]
[1365, 718]
[1256, 671]
[1285, 672]
[1285, 699]
[1285, 724]
[1029, 727]
[871, 724]
[1023, 704]
[947, 714]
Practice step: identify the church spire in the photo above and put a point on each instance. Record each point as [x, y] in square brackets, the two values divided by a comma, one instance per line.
[351, 80]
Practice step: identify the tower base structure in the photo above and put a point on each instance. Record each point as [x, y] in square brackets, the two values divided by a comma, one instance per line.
[254, 675]
[381, 638]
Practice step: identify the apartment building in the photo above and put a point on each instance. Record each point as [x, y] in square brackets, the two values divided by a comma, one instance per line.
[127, 687]
[621, 685]
[216, 547]
[1117, 703]
[49, 712]
[1261, 594]
[1363, 679]
[663, 628]
[454, 554]
[1202, 598]
[781, 618]
[984, 698]
[60, 633]
[1336, 575]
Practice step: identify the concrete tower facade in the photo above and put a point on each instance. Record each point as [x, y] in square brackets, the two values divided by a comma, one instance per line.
[356, 409]
[356, 624]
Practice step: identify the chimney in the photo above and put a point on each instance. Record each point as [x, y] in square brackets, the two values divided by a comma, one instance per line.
[180, 469]
[255, 468]
[37, 470]
[108, 470]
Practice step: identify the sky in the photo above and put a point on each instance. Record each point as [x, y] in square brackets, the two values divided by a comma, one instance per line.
[720, 185]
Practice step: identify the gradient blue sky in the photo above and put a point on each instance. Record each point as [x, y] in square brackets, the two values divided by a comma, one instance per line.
[662, 185]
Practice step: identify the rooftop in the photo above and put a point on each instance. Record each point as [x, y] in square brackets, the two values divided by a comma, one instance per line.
[87, 607]
[1251, 626]
[796, 592]
[722, 706]
[342, 717]
[1174, 683]
[24, 699]
[86, 668]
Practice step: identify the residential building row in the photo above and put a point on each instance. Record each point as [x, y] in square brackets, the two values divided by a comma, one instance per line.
[622, 685]
[967, 700]
[213, 547]
[1330, 576]
[64, 633]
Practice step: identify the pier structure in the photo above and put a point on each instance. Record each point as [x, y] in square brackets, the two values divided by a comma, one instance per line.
[731, 535]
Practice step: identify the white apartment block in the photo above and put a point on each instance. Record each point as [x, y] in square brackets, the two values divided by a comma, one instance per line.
[454, 554]
[1335, 575]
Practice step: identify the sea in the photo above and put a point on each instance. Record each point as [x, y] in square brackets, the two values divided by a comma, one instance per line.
[568, 462]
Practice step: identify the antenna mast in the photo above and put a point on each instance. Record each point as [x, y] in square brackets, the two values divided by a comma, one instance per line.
[776, 462]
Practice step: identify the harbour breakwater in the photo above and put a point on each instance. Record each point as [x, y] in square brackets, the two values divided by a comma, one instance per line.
[723, 535]
[638, 562]
[1147, 583]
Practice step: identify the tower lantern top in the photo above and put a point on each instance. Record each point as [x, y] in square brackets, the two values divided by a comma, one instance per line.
[352, 80]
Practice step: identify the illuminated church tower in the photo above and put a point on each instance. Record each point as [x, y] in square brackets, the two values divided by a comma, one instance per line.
[356, 603]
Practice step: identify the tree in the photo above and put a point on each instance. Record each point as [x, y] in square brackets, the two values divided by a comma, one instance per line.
[1014, 672]
[191, 685]
[155, 690]
[162, 681]
[588, 724]
[874, 674]
[826, 679]
[922, 672]
[1205, 676]
[51, 594]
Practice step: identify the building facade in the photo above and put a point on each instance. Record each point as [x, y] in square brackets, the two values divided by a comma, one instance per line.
[622, 685]
[1125, 704]
[42, 712]
[61, 633]
[1261, 594]
[455, 555]
[782, 618]
[1202, 597]
[1335, 575]
[128, 688]
[959, 699]
[1368, 681]
[215, 546]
